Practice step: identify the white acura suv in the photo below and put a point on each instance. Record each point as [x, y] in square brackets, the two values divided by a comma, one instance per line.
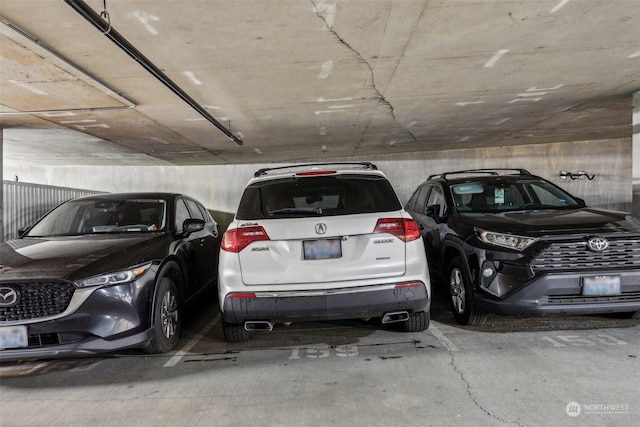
[317, 242]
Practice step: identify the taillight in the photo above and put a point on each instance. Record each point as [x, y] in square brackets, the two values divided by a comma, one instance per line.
[405, 229]
[237, 239]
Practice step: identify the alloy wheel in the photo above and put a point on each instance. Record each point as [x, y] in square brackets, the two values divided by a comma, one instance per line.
[169, 314]
[456, 289]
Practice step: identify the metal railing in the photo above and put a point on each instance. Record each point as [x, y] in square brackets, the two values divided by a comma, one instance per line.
[24, 203]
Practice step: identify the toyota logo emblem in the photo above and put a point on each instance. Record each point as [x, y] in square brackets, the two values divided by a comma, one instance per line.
[321, 228]
[598, 244]
[8, 297]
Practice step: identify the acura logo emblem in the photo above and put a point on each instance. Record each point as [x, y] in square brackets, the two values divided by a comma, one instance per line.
[598, 244]
[321, 228]
[8, 297]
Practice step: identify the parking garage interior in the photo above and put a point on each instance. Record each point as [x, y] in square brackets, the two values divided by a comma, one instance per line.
[193, 97]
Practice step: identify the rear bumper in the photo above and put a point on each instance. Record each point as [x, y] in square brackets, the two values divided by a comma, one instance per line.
[333, 304]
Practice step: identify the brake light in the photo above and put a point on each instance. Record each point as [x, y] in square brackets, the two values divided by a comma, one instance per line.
[313, 173]
[237, 239]
[405, 229]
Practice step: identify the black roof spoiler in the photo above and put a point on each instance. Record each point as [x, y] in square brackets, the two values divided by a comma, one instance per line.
[352, 165]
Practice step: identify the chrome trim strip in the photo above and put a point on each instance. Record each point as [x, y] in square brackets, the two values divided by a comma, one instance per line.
[325, 292]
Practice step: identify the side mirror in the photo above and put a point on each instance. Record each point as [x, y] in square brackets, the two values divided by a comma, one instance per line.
[581, 202]
[192, 225]
[433, 211]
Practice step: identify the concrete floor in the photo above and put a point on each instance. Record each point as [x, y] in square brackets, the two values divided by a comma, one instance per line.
[526, 372]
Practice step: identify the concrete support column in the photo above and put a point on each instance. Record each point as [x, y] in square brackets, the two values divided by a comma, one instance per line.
[636, 155]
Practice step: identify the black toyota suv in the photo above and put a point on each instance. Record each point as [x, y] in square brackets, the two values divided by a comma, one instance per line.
[509, 242]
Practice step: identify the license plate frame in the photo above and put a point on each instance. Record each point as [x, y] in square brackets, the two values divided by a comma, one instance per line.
[321, 249]
[601, 286]
[13, 337]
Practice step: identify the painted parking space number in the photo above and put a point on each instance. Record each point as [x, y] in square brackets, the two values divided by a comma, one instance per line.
[560, 341]
[324, 352]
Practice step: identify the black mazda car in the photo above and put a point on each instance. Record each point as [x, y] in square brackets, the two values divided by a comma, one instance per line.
[509, 242]
[105, 272]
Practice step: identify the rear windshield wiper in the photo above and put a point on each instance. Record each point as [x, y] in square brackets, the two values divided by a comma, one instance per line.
[296, 211]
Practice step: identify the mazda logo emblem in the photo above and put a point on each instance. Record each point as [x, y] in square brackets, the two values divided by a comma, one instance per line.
[321, 228]
[8, 297]
[598, 244]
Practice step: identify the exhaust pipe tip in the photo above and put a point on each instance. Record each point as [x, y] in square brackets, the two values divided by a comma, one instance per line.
[395, 316]
[258, 325]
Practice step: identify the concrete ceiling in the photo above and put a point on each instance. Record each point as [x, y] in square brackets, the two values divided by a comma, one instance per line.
[309, 79]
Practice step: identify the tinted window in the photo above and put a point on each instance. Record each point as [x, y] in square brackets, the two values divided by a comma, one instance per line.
[436, 197]
[205, 213]
[417, 203]
[194, 210]
[182, 213]
[317, 196]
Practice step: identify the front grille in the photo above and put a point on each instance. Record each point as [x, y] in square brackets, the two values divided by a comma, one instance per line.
[575, 299]
[574, 256]
[37, 300]
[52, 339]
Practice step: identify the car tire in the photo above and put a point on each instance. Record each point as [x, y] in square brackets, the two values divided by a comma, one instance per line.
[417, 322]
[461, 295]
[234, 332]
[166, 319]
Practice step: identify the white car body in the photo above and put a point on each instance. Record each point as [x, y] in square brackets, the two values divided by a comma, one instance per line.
[364, 268]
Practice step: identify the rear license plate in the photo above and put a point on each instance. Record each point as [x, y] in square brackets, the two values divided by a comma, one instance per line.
[601, 286]
[322, 249]
[13, 336]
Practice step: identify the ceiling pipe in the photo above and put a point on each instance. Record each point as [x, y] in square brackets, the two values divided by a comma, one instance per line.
[107, 29]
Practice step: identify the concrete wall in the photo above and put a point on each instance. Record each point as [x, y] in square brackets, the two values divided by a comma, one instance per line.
[636, 155]
[220, 187]
[1, 189]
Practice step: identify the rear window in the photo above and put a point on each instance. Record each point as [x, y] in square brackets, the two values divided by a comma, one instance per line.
[317, 196]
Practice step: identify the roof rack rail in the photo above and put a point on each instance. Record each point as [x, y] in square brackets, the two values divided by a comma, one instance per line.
[480, 171]
[353, 165]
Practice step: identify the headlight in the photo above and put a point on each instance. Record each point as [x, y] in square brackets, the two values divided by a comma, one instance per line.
[510, 241]
[117, 277]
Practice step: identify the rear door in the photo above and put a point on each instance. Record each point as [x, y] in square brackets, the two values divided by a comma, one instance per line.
[322, 229]
[198, 249]
[323, 250]
[430, 195]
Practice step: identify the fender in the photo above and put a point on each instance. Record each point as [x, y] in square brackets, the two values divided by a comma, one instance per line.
[463, 250]
[171, 265]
